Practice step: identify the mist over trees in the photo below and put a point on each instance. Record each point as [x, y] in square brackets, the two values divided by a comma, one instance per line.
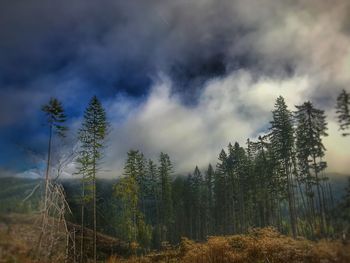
[277, 179]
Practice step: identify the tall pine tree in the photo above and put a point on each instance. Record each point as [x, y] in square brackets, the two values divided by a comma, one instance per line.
[55, 118]
[92, 136]
[311, 127]
[165, 171]
[282, 140]
[343, 112]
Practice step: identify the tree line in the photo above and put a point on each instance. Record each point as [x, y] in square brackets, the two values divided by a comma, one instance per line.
[275, 180]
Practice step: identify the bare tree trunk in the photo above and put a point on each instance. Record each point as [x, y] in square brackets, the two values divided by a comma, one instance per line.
[48, 169]
[94, 201]
[325, 205]
[47, 177]
[307, 208]
[290, 200]
[82, 224]
[94, 196]
[320, 203]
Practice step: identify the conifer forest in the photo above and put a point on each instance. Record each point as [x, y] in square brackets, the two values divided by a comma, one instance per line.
[190, 131]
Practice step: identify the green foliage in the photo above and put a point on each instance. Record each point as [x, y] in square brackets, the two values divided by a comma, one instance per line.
[281, 132]
[282, 142]
[126, 190]
[343, 112]
[166, 208]
[131, 191]
[144, 233]
[91, 135]
[55, 116]
[311, 126]
[343, 211]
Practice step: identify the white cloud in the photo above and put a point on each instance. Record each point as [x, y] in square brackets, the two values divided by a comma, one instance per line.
[31, 173]
[229, 109]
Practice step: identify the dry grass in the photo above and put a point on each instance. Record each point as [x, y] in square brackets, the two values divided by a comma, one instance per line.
[261, 245]
[264, 245]
[18, 237]
[19, 234]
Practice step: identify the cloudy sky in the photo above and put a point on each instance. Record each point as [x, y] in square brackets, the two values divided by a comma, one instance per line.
[184, 77]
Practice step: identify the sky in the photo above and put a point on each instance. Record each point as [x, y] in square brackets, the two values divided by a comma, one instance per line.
[184, 77]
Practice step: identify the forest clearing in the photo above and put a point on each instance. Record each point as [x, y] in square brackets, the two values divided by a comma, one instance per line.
[259, 245]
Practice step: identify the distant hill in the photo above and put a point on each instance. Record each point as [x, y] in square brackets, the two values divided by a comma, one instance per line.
[338, 182]
[13, 190]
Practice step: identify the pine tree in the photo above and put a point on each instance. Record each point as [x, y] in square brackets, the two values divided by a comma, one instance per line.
[209, 183]
[342, 107]
[165, 170]
[264, 182]
[181, 218]
[344, 211]
[222, 195]
[92, 136]
[131, 191]
[232, 192]
[136, 167]
[197, 182]
[282, 140]
[55, 118]
[311, 127]
[242, 184]
[152, 193]
[188, 205]
[126, 190]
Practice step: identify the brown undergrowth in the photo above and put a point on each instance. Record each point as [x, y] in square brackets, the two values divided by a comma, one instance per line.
[259, 245]
[18, 236]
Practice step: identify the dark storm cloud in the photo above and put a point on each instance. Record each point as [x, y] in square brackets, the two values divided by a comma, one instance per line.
[117, 45]
[74, 49]
[109, 46]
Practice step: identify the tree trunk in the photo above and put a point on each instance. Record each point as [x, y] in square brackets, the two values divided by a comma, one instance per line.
[320, 203]
[94, 190]
[82, 224]
[290, 201]
[94, 205]
[47, 177]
